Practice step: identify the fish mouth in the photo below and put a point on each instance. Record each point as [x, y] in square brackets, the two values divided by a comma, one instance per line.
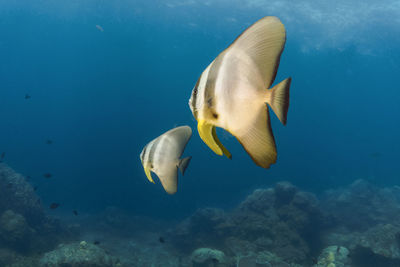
[208, 134]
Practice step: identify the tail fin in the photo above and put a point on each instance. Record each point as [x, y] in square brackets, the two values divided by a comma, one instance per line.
[183, 163]
[279, 99]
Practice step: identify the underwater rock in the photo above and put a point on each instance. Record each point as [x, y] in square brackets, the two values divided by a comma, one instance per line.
[262, 259]
[18, 195]
[207, 257]
[284, 192]
[260, 201]
[79, 254]
[334, 256]
[383, 239]
[362, 205]
[14, 228]
[23, 215]
[205, 224]
[7, 257]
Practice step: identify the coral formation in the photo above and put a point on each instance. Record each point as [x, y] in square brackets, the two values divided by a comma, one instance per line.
[78, 254]
[334, 256]
[204, 257]
[281, 220]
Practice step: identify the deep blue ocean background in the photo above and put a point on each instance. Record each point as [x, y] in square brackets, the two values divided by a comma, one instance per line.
[101, 96]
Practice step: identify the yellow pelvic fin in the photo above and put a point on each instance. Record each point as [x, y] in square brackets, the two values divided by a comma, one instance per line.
[148, 174]
[224, 150]
[208, 135]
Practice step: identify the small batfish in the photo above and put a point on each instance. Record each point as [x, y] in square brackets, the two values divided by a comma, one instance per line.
[47, 175]
[161, 239]
[54, 205]
[99, 28]
[233, 92]
[75, 212]
[162, 156]
[27, 96]
[49, 142]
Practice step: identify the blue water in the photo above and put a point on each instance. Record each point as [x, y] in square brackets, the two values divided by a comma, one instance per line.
[100, 96]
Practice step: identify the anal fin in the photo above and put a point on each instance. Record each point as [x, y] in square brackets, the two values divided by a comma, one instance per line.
[257, 138]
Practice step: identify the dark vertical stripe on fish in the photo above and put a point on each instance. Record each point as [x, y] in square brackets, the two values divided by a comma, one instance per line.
[152, 150]
[194, 97]
[209, 90]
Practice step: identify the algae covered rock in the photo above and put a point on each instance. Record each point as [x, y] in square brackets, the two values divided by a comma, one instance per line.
[204, 257]
[81, 254]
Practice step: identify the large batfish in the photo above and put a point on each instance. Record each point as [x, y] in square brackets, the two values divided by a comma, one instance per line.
[234, 90]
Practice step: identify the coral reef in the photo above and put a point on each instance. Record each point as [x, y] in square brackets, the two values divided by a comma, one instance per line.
[24, 227]
[281, 220]
[368, 222]
[281, 226]
[362, 205]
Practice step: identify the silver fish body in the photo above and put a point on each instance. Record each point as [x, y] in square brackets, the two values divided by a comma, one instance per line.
[162, 156]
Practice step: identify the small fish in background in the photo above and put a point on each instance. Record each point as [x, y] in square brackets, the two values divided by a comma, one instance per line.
[75, 212]
[54, 205]
[233, 92]
[47, 175]
[99, 28]
[3, 154]
[162, 156]
[49, 142]
[27, 96]
[28, 177]
[161, 239]
[35, 188]
[96, 242]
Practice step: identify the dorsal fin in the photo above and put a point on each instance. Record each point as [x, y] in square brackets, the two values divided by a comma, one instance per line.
[263, 42]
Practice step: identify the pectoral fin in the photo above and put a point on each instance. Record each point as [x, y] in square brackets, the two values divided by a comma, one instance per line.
[209, 136]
